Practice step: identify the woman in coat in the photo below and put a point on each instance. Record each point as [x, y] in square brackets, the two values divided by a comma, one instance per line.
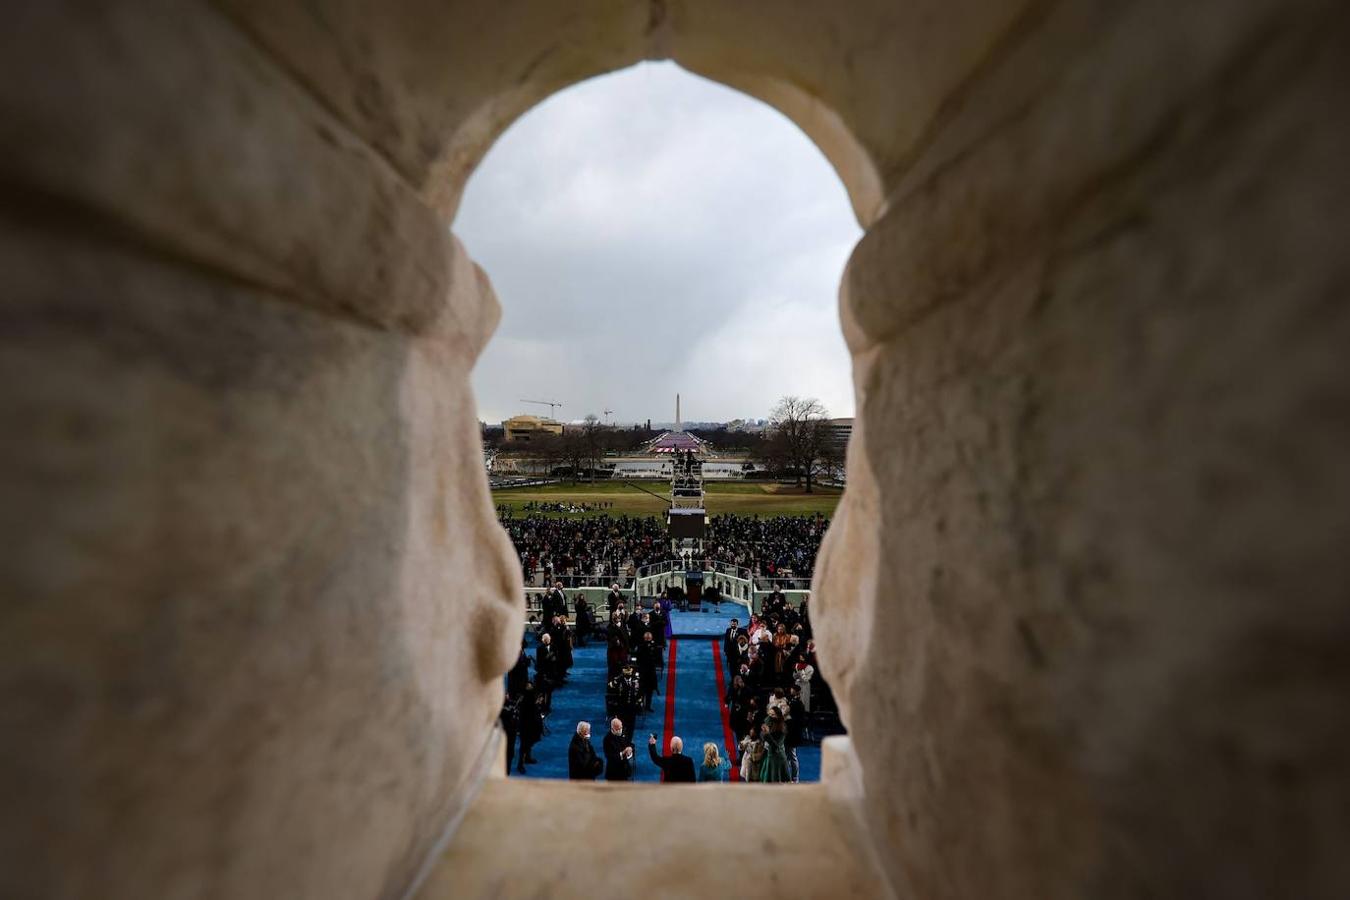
[714, 767]
[775, 766]
[802, 678]
[752, 755]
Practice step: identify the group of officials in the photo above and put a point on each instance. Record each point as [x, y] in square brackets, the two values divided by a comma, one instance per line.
[771, 660]
[636, 644]
[584, 764]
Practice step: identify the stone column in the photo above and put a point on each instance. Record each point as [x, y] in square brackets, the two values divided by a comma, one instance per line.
[1085, 598]
[256, 599]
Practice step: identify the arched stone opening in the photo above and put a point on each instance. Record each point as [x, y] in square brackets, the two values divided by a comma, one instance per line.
[1094, 357]
[713, 233]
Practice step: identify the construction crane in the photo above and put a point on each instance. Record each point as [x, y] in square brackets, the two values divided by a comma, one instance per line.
[551, 404]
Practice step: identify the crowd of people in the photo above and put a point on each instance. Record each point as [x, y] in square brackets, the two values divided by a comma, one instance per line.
[504, 511]
[604, 548]
[773, 673]
[596, 550]
[768, 546]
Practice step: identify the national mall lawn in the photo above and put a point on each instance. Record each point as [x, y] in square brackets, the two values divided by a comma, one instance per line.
[745, 498]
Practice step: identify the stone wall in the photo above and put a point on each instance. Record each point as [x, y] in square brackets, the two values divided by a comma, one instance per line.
[259, 599]
[1085, 599]
[1100, 348]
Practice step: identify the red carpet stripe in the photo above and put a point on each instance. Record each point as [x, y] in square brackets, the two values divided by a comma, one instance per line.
[670, 702]
[728, 736]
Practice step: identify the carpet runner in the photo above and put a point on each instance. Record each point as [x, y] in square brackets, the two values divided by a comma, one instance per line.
[689, 702]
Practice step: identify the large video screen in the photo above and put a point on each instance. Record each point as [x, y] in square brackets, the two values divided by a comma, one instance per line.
[690, 524]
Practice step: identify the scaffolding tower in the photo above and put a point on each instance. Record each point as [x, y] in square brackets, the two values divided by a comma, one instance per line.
[687, 518]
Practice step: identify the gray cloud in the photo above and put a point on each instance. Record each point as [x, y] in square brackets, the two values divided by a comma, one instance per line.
[650, 232]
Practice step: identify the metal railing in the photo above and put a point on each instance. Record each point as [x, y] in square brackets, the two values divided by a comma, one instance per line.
[534, 602]
[732, 581]
[542, 578]
[694, 564]
[794, 598]
[788, 583]
[753, 599]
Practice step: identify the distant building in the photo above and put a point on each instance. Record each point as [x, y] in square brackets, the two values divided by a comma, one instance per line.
[840, 431]
[525, 428]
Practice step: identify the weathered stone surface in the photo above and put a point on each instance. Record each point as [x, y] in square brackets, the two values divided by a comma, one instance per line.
[1100, 354]
[251, 567]
[566, 839]
[159, 122]
[432, 84]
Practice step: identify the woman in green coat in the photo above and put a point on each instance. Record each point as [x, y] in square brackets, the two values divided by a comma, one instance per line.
[775, 766]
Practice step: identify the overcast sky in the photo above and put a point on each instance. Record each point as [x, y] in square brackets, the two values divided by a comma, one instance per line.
[650, 232]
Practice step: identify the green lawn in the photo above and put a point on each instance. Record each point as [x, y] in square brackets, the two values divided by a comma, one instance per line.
[723, 497]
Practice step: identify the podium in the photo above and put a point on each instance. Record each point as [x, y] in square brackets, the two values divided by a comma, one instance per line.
[693, 589]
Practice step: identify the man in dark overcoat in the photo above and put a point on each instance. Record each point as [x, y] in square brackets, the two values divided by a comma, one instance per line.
[583, 764]
[648, 660]
[618, 748]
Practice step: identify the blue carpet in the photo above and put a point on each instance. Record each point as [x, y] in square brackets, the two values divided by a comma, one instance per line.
[706, 621]
[583, 699]
[698, 714]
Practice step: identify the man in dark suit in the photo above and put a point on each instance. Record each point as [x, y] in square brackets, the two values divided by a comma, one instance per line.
[618, 749]
[510, 719]
[648, 659]
[615, 599]
[658, 625]
[519, 675]
[775, 603]
[677, 767]
[729, 649]
[585, 624]
[617, 653]
[531, 726]
[546, 669]
[562, 646]
[582, 762]
[555, 602]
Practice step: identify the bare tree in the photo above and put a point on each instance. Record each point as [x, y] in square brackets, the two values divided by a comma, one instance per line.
[800, 435]
[574, 451]
[831, 460]
[592, 439]
[548, 453]
[773, 453]
[623, 440]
